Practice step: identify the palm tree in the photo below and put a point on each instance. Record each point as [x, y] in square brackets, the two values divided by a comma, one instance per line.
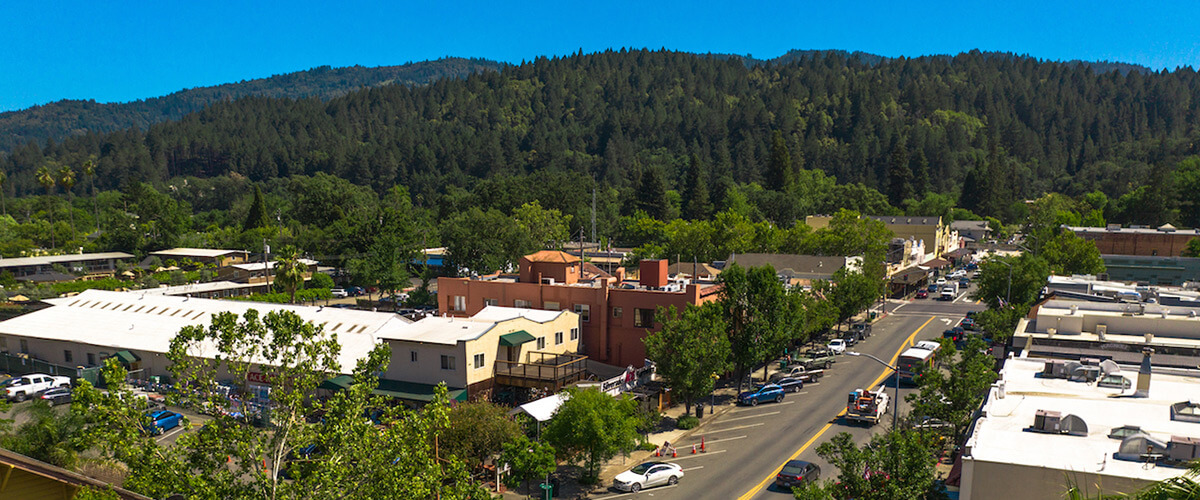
[3, 178]
[66, 179]
[289, 270]
[89, 171]
[54, 437]
[46, 179]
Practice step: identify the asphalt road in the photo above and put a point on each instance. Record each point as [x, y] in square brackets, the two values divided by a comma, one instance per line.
[747, 446]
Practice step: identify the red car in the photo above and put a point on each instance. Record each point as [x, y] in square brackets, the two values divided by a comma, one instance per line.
[922, 294]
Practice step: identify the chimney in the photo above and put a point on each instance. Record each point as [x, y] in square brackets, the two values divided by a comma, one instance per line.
[653, 273]
[1143, 381]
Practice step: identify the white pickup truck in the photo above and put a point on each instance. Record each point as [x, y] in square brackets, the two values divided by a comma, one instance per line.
[27, 386]
[866, 406]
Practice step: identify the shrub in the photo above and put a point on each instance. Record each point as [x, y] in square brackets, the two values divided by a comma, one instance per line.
[687, 422]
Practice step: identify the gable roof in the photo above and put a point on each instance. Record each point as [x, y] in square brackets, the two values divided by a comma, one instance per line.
[971, 225]
[554, 256]
[67, 478]
[799, 266]
[690, 269]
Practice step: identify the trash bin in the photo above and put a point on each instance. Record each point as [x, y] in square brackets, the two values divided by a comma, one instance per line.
[872, 315]
[547, 490]
[782, 364]
[554, 487]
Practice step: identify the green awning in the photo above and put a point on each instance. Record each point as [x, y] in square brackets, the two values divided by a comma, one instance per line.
[126, 357]
[411, 391]
[515, 338]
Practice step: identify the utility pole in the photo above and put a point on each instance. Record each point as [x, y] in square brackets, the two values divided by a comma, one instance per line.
[593, 215]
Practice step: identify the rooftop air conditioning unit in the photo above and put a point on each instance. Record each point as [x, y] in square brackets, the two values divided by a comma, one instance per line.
[1101, 331]
[1183, 448]
[547, 281]
[1046, 421]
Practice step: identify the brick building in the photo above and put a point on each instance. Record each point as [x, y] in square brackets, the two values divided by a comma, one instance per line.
[615, 313]
[1163, 241]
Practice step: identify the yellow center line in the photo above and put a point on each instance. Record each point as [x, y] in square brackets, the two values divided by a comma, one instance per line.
[771, 477]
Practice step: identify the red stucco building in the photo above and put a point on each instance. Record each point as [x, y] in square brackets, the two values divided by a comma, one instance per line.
[615, 313]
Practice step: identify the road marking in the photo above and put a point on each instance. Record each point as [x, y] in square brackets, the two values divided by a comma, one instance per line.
[897, 308]
[738, 427]
[886, 373]
[946, 321]
[739, 410]
[627, 495]
[697, 455]
[750, 416]
[802, 392]
[692, 468]
[169, 433]
[723, 439]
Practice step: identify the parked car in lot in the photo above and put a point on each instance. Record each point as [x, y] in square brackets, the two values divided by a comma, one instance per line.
[789, 384]
[762, 394]
[648, 475]
[922, 294]
[339, 293]
[57, 396]
[162, 421]
[797, 472]
[964, 282]
[355, 291]
[28, 386]
[837, 345]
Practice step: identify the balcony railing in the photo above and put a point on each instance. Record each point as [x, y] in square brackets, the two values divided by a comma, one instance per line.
[547, 370]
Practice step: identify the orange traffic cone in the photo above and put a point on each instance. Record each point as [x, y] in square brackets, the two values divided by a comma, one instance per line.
[658, 452]
[702, 450]
[674, 453]
[693, 449]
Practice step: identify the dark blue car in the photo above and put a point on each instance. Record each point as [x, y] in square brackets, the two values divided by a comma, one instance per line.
[162, 421]
[762, 394]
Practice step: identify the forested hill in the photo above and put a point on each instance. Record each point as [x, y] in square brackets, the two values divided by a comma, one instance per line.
[71, 117]
[993, 130]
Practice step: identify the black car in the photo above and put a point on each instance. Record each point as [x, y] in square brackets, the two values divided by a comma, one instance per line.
[797, 472]
[790, 384]
[954, 333]
[57, 396]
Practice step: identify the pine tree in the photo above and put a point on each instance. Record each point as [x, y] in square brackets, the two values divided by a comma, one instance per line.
[257, 215]
[920, 170]
[652, 193]
[899, 176]
[779, 169]
[696, 202]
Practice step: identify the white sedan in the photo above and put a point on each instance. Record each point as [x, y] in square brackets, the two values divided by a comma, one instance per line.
[838, 346]
[648, 475]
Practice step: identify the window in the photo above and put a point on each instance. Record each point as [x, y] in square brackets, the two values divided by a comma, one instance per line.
[551, 306]
[24, 346]
[617, 312]
[541, 343]
[491, 302]
[413, 356]
[574, 334]
[479, 360]
[643, 318]
[460, 302]
[448, 362]
[91, 359]
[522, 303]
[558, 338]
[584, 311]
[67, 356]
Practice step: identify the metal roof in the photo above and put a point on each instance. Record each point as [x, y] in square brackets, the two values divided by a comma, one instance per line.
[56, 259]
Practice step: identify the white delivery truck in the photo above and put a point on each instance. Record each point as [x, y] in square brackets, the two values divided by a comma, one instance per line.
[949, 290]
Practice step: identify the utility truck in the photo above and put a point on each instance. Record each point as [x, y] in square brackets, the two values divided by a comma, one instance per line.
[866, 406]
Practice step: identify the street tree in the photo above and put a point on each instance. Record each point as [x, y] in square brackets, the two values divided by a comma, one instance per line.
[529, 460]
[851, 292]
[351, 457]
[954, 395]
[688, 349]
[1016, 280]
[758, 314]
[592, 427]
[1066, 253]
[1192, 249]
[895, 465]
[540, 228]
[290, 270]
[46, 178]
[478, 430]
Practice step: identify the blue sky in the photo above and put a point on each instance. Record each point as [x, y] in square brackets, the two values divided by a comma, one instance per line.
[121, 51]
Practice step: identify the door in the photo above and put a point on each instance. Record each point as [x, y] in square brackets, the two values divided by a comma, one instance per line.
[656, 476]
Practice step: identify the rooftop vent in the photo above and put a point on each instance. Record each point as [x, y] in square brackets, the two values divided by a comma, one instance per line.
[1053, 422]
[1186, 411]
[1143, 380]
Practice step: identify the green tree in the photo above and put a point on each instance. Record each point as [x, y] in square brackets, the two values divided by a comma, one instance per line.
[57, 438]
[893, 465]
[695, 191]
[479, 430]
[46, 179]
[540, 228]
[529, 460]
[779, 168]
[1000, 324]
[228, 459]
[1067, 253]
[1192, 249]
[953, 395]
[688, 349]
[1028, 277]
[481, 241]
[900, 176]
[257, 216]
[89, 170]
[3, 185]
[852, 292]
[849, 234]
[758, 313]
[592, 427]
[652, 193]
[1047, 215]
[290, 270]
[66, 179]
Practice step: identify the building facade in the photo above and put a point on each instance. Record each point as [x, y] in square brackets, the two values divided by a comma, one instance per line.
[86, 264]
[1163, 241]
[1152, 270]
[210, 256]
[935, 237]
[615, 314]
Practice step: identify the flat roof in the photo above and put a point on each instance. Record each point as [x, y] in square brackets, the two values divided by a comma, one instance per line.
[500, 313]
[148, 322]
[196, 252]
[56, 259]
[257, 266]
[1171, 230]
[1000, 436]
[211, 286]
[451, 330]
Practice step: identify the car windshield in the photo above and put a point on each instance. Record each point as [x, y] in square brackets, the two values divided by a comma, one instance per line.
[642, 468]
[793, 469]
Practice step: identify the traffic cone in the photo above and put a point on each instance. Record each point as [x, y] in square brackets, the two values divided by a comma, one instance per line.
[702, 450]
[693, 448]
[658, 452]
[674, 453]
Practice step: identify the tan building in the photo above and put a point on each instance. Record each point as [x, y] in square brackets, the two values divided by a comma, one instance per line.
[211, 256]
[259, 272]
[496, 346]
[937, 237]
[41, 268]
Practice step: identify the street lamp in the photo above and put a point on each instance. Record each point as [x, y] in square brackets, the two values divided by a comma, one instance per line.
[896, 404]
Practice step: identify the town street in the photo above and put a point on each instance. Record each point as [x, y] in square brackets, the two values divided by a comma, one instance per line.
[747, 446]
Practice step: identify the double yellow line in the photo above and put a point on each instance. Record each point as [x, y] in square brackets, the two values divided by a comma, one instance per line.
[771, 477]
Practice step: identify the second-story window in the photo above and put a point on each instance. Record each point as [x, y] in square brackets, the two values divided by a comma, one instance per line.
[584, 311]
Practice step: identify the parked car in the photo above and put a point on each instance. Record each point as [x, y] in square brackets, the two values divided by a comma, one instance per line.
[862, 329]
[648, 475]
[339, 293]
[789, 384]
[971, 266]
[922, 294]
[762, 394]
[968, 324]
[798, 372]
[964, 282]
[972, 314]
[837, 345]
[162, 421]
[932, 288]
[28, 386]
[57, 396]
[941, 281]
[954, 333]
[816, 358]
[797, 472]
[957, 274]
[850, 338]
[355, 291]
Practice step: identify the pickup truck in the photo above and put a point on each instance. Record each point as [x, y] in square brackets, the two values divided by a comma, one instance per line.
[27, 386]
[866, 406]
[798, 372]
[816, 358]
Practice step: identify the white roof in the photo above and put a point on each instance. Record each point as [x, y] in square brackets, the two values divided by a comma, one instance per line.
[55, 259]
[541, 409]
[928, 345]
[256, 266]
[1000, 435]
[148, 322]
[195, 252]
[499, 313]
[437, 330]
[210, 286]
[916, 353]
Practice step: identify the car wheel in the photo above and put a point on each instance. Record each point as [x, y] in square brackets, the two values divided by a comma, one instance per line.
[754, 402]
[20, 397]
[673, 480]
[635, 487]
[779, 398]
[827, 364]
[795, 388]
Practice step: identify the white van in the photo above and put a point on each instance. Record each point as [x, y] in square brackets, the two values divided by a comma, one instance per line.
[950, 291]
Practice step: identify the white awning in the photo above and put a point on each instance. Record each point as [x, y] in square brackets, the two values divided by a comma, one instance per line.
[542, 409]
